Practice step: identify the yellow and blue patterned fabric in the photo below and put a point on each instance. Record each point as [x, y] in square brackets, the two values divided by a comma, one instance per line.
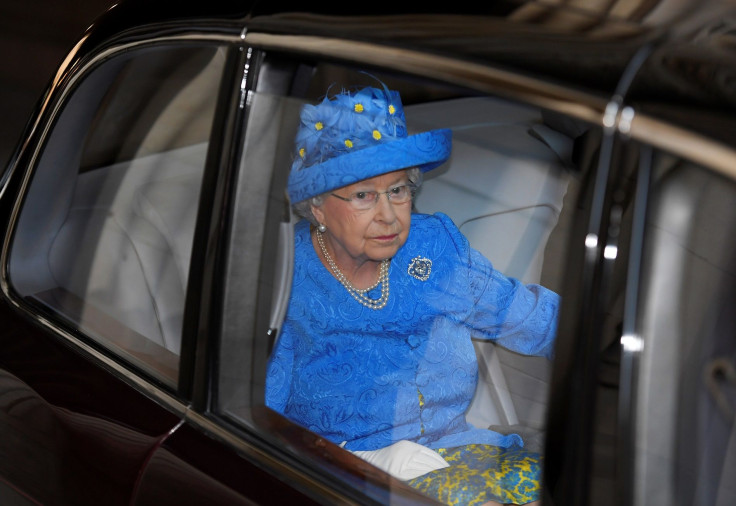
[481, 473]
[352, 374]
[356, 135]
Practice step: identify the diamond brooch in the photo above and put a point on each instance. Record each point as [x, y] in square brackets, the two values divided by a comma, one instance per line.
[420, 268]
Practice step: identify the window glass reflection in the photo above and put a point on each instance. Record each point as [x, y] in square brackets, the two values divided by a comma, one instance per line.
[105, 236]
[419, 331]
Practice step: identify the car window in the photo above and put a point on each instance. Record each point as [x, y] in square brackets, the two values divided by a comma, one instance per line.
[515, 182]
[104, 236]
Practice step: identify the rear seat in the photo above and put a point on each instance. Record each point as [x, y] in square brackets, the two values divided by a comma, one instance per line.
[108, 244]
[503, 187]
[141, 217]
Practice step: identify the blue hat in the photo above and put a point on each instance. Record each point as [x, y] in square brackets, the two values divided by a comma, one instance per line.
[355, 136]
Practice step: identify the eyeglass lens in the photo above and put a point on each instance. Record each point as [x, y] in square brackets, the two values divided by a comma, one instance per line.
[397, 195]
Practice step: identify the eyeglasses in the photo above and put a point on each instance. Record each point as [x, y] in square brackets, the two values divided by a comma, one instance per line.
[364, 200]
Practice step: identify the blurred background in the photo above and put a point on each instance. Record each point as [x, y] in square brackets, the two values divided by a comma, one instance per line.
[35, 36]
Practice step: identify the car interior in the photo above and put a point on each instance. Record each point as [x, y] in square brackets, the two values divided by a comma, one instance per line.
[117, 238]
[105, 237]
[509, 185]
[504, 187]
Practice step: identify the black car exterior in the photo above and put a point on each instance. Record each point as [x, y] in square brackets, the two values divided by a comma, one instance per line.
[145, 263]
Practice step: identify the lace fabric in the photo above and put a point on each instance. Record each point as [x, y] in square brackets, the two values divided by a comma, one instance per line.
[352, 374]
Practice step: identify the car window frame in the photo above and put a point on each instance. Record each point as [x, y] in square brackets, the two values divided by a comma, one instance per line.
[484, 79]
[57, 98]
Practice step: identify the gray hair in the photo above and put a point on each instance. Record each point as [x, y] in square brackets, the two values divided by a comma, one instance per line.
[304, 208]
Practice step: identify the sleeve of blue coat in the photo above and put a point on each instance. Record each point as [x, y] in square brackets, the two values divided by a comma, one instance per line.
[521, 318]
[278, 374]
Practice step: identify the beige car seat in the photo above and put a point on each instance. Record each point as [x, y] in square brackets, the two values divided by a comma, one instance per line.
[503, 187]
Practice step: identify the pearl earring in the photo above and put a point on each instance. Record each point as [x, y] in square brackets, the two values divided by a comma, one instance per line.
[322, 228]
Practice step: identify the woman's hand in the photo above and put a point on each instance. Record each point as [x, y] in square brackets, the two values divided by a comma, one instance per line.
[404, 459]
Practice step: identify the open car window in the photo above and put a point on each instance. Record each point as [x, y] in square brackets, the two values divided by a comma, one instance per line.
[511, 187]
[104, 237]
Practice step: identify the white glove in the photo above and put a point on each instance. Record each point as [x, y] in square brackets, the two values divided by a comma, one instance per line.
[404, 459]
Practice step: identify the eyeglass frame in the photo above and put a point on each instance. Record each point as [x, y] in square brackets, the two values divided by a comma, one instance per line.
[412, 190]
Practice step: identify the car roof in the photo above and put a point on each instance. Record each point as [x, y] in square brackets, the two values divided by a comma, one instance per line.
[688, 44]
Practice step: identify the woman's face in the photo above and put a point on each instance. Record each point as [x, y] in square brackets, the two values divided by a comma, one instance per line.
[356, 236]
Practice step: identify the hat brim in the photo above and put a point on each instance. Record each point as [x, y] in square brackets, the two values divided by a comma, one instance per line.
[426, 150]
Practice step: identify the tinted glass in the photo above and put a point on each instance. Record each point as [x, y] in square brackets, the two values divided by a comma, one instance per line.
[105, 234]
[510, 189]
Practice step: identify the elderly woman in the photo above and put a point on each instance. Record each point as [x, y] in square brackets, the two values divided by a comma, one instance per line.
[375, 353]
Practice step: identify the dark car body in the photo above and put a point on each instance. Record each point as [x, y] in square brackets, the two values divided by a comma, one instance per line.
[641, 390]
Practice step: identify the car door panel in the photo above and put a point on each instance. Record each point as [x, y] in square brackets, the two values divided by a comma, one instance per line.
[78, 449]
[193, 467]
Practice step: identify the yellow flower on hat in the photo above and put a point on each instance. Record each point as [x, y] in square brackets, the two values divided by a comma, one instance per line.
[344, 133]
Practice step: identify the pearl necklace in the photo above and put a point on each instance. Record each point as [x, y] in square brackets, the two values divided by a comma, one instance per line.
[358, 294]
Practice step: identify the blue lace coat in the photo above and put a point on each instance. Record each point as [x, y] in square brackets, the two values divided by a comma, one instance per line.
[407, 371]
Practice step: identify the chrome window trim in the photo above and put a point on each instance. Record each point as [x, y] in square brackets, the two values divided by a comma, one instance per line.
[58, 77]
[476, 76]
[678, 141]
